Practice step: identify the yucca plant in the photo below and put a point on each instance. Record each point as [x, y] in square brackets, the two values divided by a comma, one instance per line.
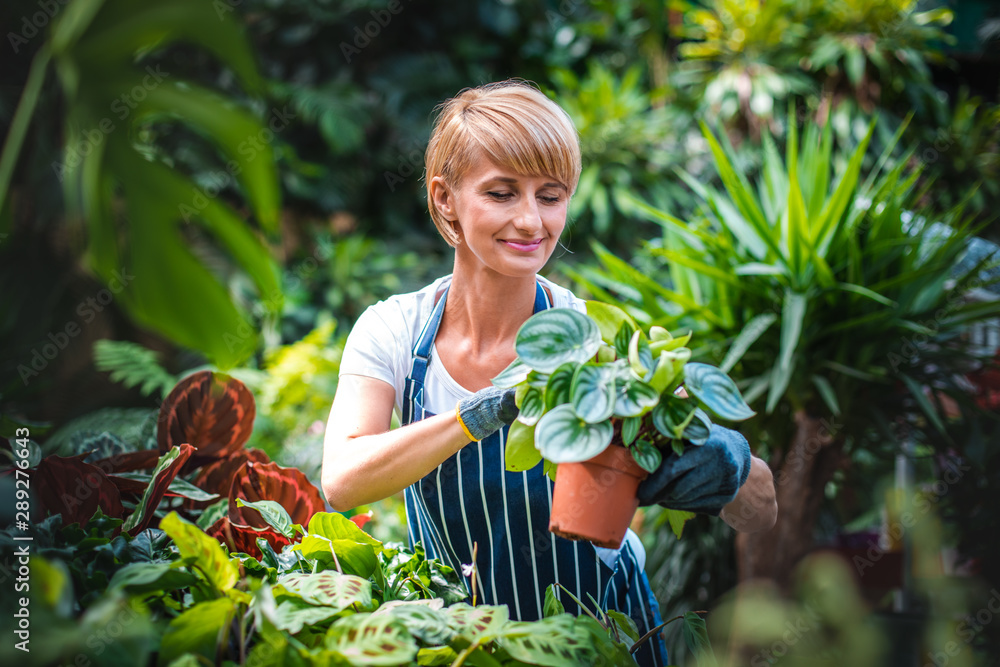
[836, 303]
[120, 182]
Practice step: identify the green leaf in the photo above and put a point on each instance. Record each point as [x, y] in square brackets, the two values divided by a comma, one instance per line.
[554, 336]
[133, 365]
[178, 486]
[626, 624]
[716, 391]
[610, 319]
[827, 393]
[329, 588]
[366, 639]
[925, 404]
[634, 397]
[213, 513]
[555, 641]
[211, 557]
[640, 357]
[202, 629]
[747, 337]
[519, 451]
[630, 429]
[273, 514]
[793, 313]
[672, 415]
[514, 374]
[696, 638]
[552, 606]
[352, 557]
[293, 614]
[622, 339]
[532, 406]
[699, 429]
[677, 519]
[593, 393]
[162, 476]
[647, 455]
[477, 624]
[562, 437]
[335, 526]
[421, 619]
[138, 578]
[559, 389]
[668, 368]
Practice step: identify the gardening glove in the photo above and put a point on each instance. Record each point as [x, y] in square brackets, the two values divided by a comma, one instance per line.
[486, 412]
[704, 479]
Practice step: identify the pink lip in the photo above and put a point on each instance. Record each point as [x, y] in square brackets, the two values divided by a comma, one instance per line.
[524, 247]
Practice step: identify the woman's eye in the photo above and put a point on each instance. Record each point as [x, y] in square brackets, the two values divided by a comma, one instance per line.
[550, 200]
[500, 196]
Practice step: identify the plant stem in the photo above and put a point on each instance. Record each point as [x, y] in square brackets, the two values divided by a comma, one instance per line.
[22, 119]
[465, 654]
[652, 632]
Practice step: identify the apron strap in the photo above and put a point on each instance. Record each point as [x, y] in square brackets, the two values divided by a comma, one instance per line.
[421, 353]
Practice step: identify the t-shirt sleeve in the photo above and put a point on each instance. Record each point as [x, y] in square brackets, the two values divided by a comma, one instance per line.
[372, 347]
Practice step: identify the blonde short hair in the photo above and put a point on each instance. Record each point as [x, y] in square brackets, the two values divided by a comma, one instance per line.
[514, 124]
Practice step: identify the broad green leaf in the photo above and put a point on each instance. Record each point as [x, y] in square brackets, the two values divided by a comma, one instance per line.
[668, 368]
[559, 388]
[677, 519]
[669, 344]
[622, 339]
[554, 641]
[630, 429]
[696, 639]
[211, 557]
[593, 393]
[634, 397]
[329, 588]
[640, 357]
[554, 336]
[609, 319]
[519, 451]
[202, 629]
[293, 614]
[716, 391]
[532, 406]
[138, 578]
[336, 526]
[350, 556]
[562, 437]
[513, 375]
[672, 415]
[481, 623]
[699, 429]
[647, 455]
[366, 639]
[273, 514]
[552, 606]
[426, 623]
[626, 624]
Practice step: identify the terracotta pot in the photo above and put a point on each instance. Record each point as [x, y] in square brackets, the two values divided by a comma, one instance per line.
[595, 500]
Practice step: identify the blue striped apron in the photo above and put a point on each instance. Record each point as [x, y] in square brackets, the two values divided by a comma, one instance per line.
[471, 499]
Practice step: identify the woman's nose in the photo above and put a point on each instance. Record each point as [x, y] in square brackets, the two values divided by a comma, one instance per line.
[528, 218]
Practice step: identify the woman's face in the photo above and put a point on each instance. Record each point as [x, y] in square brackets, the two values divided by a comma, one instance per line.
[508, 222]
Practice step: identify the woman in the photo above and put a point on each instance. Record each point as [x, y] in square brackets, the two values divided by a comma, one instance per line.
[501, 166]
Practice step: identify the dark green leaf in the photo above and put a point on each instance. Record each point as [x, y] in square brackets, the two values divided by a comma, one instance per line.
[554, 336]
[562, 437]
[716, 391]
[593, 393]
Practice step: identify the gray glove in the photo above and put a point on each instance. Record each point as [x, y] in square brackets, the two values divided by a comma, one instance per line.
[704, 479]
[486, 411]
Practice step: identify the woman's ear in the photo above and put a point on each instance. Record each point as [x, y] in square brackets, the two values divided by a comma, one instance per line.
[443, 198]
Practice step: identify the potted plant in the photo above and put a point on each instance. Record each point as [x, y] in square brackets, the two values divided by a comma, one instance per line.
[598, 398]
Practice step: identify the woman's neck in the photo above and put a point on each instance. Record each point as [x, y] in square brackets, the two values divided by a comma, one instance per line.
[485, 307]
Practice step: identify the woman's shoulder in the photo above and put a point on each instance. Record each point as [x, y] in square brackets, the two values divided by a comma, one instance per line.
[410, 307]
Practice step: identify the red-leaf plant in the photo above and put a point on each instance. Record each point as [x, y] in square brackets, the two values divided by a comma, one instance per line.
[208, 417]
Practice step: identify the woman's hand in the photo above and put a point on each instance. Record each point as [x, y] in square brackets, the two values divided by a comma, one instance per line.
[720, 478]
[486, 412]
[705, 479]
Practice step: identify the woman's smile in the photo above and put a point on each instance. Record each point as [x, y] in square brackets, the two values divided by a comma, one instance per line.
[523, 246]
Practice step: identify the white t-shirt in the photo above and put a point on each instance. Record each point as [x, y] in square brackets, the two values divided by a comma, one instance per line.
[381, 343]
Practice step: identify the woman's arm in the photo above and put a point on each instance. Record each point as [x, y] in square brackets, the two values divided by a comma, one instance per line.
[754, 508]
[363, 461]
